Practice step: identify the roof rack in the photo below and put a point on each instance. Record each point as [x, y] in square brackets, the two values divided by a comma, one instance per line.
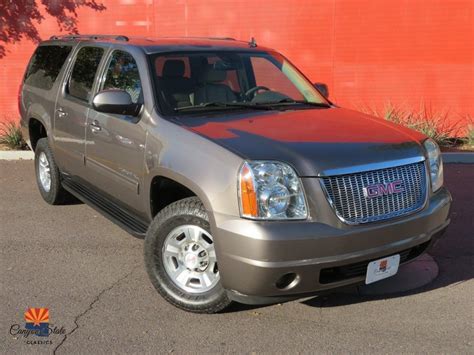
[93, 37]
[218, 38]
[202, 37]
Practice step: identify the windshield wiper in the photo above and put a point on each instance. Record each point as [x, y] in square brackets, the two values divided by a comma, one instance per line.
[289, 101]
[221, 105]
[257, 106]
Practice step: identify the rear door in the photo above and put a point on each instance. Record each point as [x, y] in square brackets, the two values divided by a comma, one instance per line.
[41, 83]
[72, 107]
[116, 143]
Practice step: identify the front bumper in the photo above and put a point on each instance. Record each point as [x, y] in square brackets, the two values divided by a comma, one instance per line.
[254, 255]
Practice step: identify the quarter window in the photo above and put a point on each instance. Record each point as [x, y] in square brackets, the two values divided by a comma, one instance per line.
[45, 66]
[122, 74]
[84, 71]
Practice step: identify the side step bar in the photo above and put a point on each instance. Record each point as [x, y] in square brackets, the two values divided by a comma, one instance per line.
[117, 214]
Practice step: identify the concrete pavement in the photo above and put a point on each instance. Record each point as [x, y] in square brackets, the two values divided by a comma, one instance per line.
[90, 274]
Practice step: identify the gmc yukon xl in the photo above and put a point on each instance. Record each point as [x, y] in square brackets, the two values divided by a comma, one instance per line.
[245, 181]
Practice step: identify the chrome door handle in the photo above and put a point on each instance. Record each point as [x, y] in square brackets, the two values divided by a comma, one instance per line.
[95, 126]
[61, 112]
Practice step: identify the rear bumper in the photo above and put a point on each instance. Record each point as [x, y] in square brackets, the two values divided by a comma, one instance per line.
[254, 255]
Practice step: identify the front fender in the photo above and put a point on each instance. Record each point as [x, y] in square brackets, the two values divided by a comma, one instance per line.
[183, 180]
[205, 168]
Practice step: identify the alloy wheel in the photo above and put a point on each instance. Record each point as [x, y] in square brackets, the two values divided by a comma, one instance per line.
[190, 260]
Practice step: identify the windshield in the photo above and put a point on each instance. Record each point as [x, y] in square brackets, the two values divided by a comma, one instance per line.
[205, 81]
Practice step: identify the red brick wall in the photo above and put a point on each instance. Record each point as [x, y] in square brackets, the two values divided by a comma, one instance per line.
[370, 52]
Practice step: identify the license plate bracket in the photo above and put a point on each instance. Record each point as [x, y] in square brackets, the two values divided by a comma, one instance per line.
[382, 268]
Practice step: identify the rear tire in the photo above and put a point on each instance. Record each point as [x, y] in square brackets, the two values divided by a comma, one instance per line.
[48, 176]
[180, 258]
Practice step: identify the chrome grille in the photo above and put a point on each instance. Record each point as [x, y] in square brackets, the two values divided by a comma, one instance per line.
[346, 193]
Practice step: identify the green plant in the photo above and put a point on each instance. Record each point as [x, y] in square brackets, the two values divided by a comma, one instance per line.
[436, 125]
[11, 136]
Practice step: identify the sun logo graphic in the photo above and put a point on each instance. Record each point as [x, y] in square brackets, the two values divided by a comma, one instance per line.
[37, 319]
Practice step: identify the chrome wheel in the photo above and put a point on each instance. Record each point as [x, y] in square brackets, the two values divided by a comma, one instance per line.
[190, 260]
[44, 172]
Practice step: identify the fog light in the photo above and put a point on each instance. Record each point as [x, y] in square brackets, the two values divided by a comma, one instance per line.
[287, 281]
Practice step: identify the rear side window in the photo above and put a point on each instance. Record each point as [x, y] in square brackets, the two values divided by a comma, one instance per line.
[45, 66]
[84, 71]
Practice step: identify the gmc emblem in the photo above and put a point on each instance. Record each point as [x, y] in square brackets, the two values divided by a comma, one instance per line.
[389, 188]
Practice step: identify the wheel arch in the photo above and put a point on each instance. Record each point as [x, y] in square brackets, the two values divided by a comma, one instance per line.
[36, 130]
[189, 188]
[37, 114]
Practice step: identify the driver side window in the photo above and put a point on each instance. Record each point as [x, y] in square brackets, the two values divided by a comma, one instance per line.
[122, 74]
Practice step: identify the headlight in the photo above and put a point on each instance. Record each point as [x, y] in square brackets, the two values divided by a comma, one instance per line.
[270, 190]
[435, 164]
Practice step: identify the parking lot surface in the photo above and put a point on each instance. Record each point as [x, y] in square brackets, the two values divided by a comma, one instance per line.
[91, 276]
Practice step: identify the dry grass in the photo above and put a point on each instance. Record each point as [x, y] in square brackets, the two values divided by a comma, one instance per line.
[436, 125]
[11, 136]
[470, 136]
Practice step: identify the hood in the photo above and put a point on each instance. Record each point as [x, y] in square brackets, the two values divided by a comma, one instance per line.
[314, 141]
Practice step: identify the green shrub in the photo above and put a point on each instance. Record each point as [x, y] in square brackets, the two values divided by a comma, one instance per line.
[10, 135]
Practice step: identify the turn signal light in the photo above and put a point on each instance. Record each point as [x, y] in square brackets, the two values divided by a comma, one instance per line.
[248, 195]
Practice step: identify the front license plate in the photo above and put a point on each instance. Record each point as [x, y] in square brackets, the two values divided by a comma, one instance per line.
[381, 269]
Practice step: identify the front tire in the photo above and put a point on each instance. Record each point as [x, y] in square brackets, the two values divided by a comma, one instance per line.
[180, 258]
[48, 177]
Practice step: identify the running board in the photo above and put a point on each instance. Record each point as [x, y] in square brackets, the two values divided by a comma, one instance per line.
[109, 209]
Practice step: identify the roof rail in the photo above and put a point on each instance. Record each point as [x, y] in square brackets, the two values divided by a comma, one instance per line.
[202, 37]
[93, 37]
[222, 38]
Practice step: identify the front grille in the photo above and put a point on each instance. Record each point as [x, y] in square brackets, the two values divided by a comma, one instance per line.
[341, 273]
[346, 193]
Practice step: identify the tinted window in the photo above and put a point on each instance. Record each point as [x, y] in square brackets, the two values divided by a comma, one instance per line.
[122, 74]
[83, 73]
[45, 66]
[160, 63]
[229, 80]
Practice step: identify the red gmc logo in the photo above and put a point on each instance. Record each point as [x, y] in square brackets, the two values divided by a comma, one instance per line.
[389, 188]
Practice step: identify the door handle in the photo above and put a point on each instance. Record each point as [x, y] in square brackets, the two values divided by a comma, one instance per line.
[61, 112]
[95, 126]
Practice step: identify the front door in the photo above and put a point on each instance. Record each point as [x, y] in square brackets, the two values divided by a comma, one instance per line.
[115, 145]
[72, 108]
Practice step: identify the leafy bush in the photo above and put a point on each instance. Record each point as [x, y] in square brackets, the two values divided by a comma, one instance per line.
[10, 135]
[436, 125]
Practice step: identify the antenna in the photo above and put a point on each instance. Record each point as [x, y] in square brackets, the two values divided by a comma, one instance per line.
[252, 43]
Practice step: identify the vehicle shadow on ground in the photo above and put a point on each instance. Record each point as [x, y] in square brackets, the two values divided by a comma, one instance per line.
[450, 274]
[454, 253]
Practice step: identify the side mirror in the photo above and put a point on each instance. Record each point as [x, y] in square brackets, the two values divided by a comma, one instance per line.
[322, 88]
[115, 101]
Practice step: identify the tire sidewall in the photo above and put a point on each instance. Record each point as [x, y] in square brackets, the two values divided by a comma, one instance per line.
[49, 196]
[156, 236]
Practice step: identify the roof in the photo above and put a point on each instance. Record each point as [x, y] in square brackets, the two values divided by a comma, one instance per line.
[166, 44]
